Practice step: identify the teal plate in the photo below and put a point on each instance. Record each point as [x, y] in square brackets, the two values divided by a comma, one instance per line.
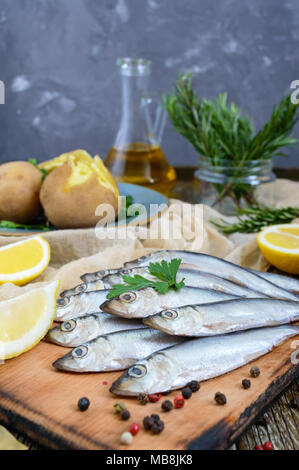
[147, 204]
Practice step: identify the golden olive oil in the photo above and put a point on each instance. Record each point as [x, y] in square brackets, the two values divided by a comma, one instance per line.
[143, 164]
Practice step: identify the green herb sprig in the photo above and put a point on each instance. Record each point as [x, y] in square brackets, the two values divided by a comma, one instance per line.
[13, 225]
[33, 162]
[166, 274]
[220, 132]
[258, 218]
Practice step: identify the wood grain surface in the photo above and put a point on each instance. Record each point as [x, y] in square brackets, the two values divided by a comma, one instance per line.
[38, 403]
[41, 402]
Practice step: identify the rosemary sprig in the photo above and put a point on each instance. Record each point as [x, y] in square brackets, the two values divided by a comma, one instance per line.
[221, 132]
[257, 218]
[218, 130]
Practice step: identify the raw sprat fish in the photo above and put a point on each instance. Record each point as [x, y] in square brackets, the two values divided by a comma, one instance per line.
[116, 351]
[199, 359]
[192, 279]
[224, 269]
[84, 287]
[81, 330]
[80, 305]
[145, 302]
[224, 317]
[268, 284]
[286, 282]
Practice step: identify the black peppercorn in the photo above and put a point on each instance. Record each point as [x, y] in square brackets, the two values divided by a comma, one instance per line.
[156, 418]
[125, 415]
[187, 393]
[148, 423]
[158, 427]
[246, 383]
[255, 371]
[194, 386]
[294, 403]
[220, 398]
[83, 404]
[167, 405]
[143, 398]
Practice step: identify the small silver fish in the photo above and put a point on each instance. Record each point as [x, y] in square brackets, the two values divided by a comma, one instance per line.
[222, 268]
[146, 302]
[116, 351]
[80, 305]
[192, 279]
[84, 287]
[224, 317]
[286, 282]
[92, 277]
[199, 359]
[81, 330]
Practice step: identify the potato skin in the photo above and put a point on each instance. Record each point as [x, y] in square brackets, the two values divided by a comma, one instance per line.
[20, 184]
[76, 207]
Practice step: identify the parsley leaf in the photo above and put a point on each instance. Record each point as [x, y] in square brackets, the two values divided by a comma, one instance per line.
[166, 274]
[13, 225]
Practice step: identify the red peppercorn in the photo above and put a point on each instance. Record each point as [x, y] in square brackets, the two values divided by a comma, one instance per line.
[134, 429]
[268, 446]
[179, 401]
[258, 447]
[155, 397]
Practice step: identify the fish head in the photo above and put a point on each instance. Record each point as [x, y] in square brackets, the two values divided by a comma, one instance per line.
[65, 333]
[65, 307]
[84, 357]
[152, 375]
[174, 321]
[133, 304]
[92, 277]
[76, 290]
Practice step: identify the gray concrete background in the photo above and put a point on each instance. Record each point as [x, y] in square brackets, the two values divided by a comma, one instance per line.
[63, 88]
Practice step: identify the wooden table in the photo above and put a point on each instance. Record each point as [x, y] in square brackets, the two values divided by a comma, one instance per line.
[281, 422]
[282, 427]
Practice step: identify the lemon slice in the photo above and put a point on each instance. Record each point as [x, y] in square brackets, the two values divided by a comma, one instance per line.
[23, 261]
[26, 319]
[280, 246]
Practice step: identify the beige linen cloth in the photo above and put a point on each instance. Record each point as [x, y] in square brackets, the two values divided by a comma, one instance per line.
[76, 252]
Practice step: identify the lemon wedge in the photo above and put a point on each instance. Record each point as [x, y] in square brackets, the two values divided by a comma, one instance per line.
[280, 246]
[23, 261]
[26, 319]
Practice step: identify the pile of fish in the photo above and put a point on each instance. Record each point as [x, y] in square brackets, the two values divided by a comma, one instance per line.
[224, 317]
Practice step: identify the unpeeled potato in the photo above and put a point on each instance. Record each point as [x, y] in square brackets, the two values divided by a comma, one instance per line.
[76, 186]
[20, 184]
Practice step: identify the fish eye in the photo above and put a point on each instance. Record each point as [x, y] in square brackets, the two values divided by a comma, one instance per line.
[128, 297]
[138, 371]
[170, 314]
[63, 302]
[101, 273]
[81, 288]
[68, 326]
[127, 271]
[80, 352]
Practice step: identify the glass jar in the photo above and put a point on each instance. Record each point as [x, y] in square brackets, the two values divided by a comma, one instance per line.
[136, 156]
[228, 185]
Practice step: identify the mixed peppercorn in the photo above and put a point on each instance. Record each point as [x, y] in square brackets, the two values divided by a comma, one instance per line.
[156, 425]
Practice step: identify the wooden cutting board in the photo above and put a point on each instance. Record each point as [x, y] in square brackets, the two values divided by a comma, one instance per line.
[41, 402]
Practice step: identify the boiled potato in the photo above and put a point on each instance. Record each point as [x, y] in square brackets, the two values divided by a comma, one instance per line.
[75, 186]
[20, 184]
